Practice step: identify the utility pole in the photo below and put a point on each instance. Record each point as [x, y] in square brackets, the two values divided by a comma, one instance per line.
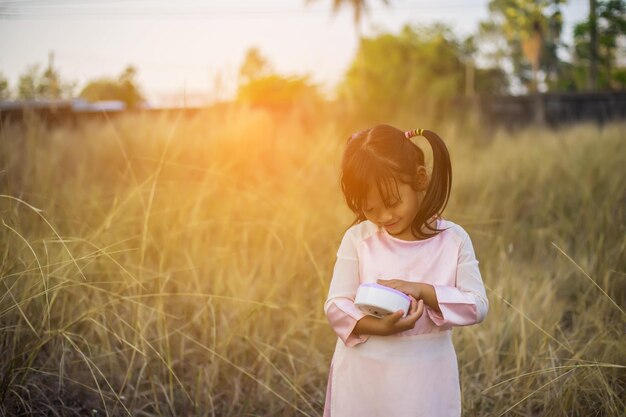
[52, 79]
[469, 77]
[593, 47]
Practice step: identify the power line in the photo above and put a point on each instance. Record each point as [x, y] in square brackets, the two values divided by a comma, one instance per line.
[16, 9]
[130, 9]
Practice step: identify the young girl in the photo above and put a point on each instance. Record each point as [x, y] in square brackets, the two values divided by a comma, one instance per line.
[400, 365]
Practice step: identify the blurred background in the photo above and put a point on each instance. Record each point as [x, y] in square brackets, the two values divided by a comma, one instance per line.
[171, 209]
[197, 53]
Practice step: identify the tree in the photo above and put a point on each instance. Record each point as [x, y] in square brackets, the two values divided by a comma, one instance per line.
[5, 93]
[254, 66]
[277, 92]
[480, 80]
[611, 27]
[28, 83]
[124, 88]
[260, 87]
[417, 71]
[527, 34]
[359, 7]
[35, 84]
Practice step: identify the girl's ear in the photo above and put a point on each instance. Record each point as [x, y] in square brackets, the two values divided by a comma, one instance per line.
[422, 179]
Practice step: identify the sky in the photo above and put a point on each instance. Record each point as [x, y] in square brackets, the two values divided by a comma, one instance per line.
[195, 47]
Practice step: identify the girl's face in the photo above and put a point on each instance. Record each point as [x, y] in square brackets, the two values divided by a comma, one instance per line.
[398, 217]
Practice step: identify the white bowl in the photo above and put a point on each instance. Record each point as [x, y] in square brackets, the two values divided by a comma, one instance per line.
[379, 300]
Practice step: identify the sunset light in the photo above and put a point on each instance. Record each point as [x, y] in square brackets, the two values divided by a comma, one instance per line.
[322, 208]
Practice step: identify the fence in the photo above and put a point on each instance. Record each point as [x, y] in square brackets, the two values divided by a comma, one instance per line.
[553, 109]
[550, 109]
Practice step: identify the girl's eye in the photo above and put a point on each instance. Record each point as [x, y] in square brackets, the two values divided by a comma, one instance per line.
[395, 203]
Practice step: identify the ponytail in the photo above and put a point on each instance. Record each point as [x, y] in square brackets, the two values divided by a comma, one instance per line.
[438, 191]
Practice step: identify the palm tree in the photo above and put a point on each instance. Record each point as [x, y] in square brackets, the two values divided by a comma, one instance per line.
[359, 6]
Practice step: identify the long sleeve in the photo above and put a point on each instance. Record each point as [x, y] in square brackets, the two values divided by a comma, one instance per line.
[339, 307]
[466, 303]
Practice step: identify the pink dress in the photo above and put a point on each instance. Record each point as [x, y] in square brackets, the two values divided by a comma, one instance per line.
[414, 373]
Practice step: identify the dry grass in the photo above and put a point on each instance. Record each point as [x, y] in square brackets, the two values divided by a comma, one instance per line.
[178, 266]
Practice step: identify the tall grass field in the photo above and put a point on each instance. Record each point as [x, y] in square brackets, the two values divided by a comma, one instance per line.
[166, 265]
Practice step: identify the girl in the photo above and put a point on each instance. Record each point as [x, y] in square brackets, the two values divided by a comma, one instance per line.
[400, 366]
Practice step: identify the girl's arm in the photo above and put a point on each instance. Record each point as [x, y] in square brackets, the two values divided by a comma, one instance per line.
[418, 290]
[462, 304]
[391, 324]
[427, 293]
[350, 324]
[339, 307]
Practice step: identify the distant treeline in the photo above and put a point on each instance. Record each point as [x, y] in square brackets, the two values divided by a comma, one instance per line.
[551, 109]
[426, 71]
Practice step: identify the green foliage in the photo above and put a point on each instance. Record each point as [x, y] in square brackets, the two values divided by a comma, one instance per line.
[390, 72]
[36, 84]
[491, 81]
[512, 26]
[124, 88]
[278, 93]
[261, 88]
[418, 70]
[611, 25]
[254, 66]
[5, 92]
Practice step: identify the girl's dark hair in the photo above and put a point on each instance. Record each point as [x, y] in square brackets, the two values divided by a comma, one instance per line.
[383, 156]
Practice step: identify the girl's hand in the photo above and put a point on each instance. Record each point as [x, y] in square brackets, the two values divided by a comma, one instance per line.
[407, 287]
[395, 323]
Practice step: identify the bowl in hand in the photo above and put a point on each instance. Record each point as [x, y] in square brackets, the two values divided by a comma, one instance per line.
[379, 300]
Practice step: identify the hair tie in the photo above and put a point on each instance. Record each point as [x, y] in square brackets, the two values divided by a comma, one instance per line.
[357, 134]
[412, 133]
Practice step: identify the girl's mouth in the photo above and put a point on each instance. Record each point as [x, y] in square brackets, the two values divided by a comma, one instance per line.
[391, 224]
